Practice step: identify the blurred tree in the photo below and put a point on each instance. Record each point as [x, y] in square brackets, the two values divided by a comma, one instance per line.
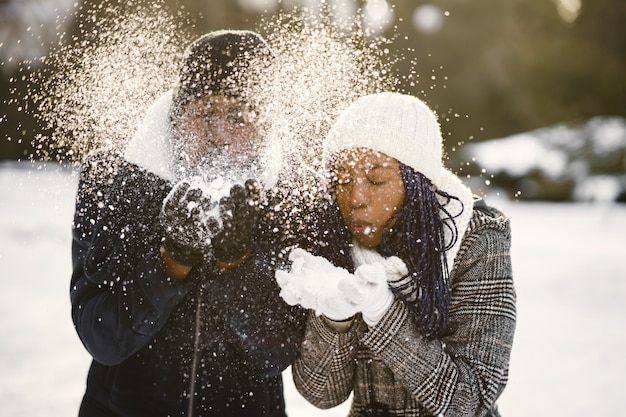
[598, 81]
[28, 29]
[17, 127]
[482, 70]
[491, 68]
[214, 15]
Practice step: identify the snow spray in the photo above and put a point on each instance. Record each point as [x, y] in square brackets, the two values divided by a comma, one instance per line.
[96, 85]
[323, 63]
[108, 76]
[124, 59]
[321, 67]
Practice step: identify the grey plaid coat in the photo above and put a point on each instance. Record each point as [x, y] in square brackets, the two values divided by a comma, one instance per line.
[462, 373]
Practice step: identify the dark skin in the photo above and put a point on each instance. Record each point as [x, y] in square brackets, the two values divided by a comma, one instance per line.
[369, 190]
[215, 120]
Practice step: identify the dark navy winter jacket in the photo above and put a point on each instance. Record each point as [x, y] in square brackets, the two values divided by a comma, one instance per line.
[218, 340]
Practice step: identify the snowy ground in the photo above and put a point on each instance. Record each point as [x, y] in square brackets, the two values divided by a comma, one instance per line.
[569, 264]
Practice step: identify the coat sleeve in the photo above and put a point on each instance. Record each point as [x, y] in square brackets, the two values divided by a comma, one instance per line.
[466, 370]
[462, 373]
[267, 331]
[324, 371]
[119, 304]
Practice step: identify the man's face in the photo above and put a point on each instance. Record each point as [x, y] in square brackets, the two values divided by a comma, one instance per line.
[216, 124]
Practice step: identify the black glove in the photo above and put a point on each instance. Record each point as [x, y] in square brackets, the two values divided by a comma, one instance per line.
[239, 212]
[190, 220]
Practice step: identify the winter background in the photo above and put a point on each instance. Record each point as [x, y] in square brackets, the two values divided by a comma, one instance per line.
[568, 261]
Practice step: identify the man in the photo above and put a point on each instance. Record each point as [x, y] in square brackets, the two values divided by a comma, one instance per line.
[173, 293]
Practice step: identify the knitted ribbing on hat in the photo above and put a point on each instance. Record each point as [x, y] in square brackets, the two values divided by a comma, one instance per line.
[398, 125]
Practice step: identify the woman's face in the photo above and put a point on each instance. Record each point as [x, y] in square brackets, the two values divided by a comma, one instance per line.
[216, 122]
[369, 190]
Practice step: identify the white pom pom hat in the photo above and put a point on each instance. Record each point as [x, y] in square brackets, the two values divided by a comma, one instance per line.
[405, 128]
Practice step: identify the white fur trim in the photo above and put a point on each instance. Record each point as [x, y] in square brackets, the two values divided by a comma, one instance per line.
[452, 184]
[152, 145]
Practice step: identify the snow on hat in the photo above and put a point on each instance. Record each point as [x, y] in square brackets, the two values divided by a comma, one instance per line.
[398, 125]
[218, 62]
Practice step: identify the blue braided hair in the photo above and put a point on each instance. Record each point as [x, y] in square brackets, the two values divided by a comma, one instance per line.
[415, 234]
[418, 238]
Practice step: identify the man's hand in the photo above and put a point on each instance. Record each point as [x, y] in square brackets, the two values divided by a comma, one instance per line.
[239, 214]
[190, 219]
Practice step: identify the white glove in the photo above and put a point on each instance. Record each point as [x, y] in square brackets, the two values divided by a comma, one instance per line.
[395, 268]
[368, 290]
[313, 282]
[399, 280]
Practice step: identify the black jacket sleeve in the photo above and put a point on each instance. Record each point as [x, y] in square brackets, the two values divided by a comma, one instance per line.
[120, 295]
[267, 331]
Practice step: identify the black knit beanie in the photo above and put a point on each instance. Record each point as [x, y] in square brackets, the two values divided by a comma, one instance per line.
[220, 62]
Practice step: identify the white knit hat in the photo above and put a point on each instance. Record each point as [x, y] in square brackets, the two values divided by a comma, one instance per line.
[405, 128]
[398, 125]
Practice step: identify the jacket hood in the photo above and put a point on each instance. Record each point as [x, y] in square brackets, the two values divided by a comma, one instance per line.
[461, 210]
[151, 147]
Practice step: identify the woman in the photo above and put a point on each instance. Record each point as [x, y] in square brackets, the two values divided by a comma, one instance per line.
[411, 282]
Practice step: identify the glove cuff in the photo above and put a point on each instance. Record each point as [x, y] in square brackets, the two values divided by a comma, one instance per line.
[231, 255]
[182, 254]
[232, 264]
[373, 314]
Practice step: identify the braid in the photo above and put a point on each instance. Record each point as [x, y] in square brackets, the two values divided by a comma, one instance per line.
[331, 236]
[418, 237]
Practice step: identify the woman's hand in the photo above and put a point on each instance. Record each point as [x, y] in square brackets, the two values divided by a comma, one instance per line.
[313, 282]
